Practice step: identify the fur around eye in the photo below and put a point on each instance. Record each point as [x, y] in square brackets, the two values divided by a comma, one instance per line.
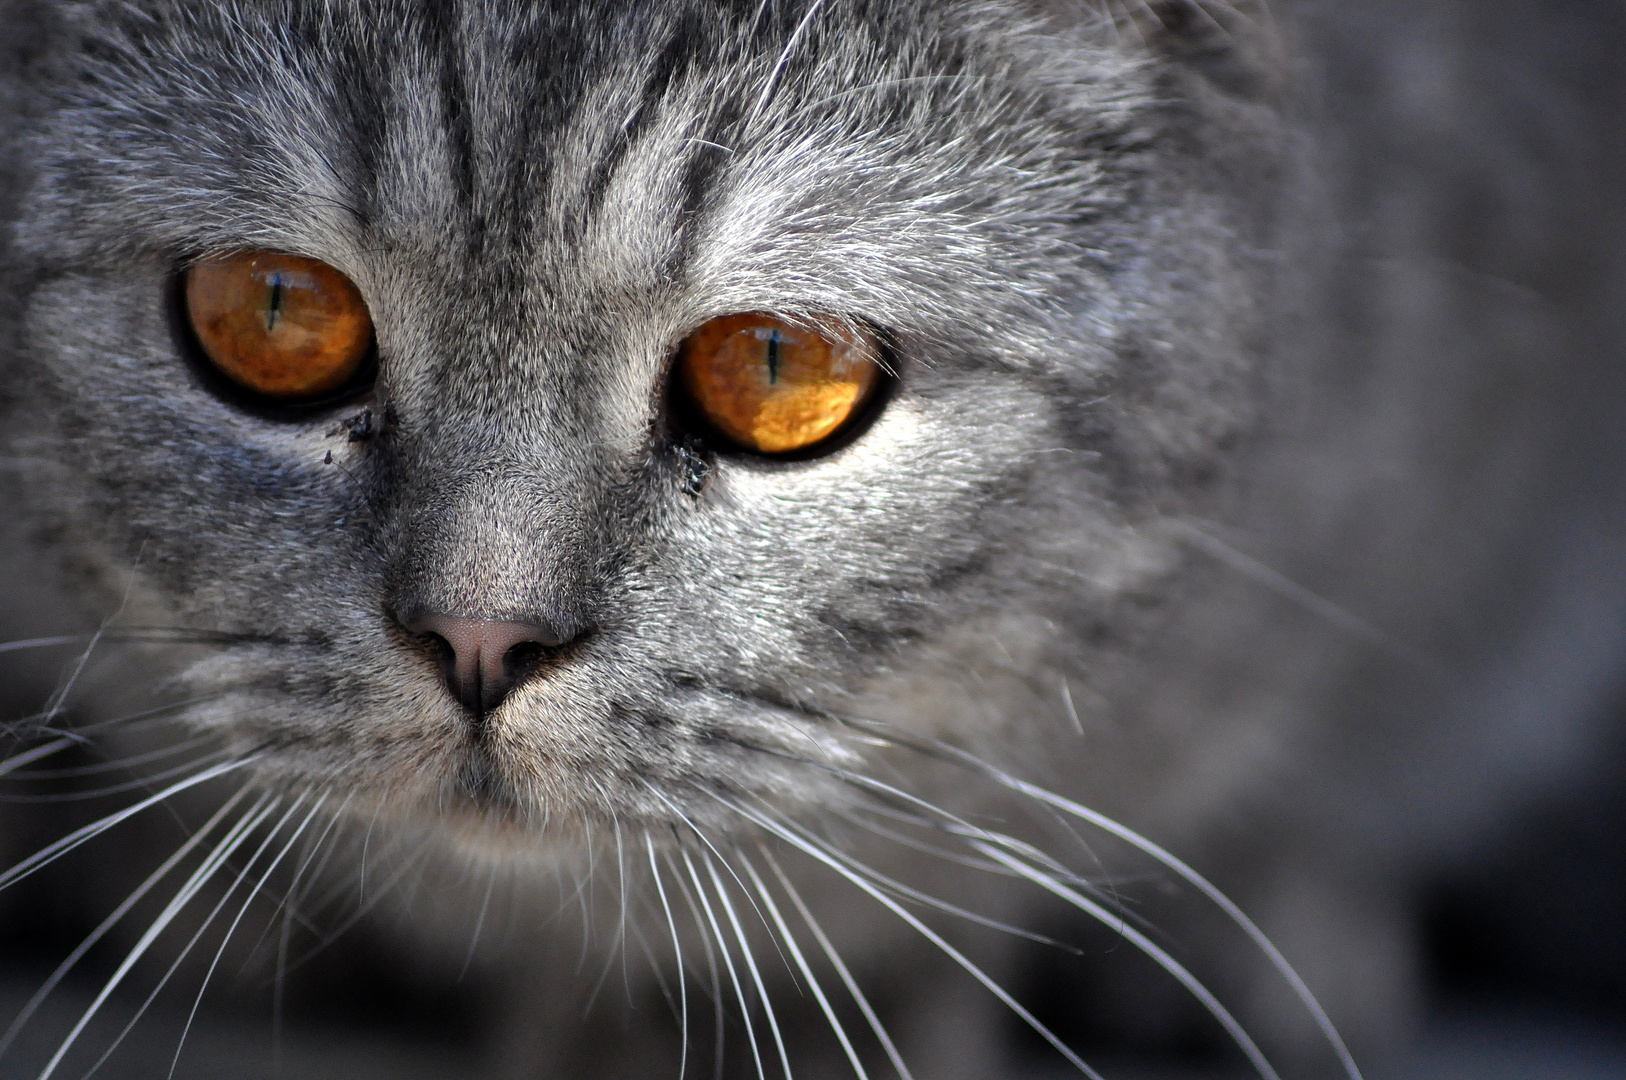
[285, 327]
[775, 386]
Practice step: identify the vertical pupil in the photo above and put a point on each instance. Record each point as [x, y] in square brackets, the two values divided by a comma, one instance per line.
[773, 356]
[276, 302]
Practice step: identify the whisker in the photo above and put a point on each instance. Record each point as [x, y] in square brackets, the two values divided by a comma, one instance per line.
[711, 960]
[312, 846]
[144, 782]
[243, 910]
[620, 947]
[792, 836]
[940, 905]
[138, 635]
[288, 907]
[40, 643]
[479, 924]
[903, 840]
[197, 935]
[840, 965]
[946, 821]
[621, 937]
[728, 963]
[713, 848]
[34, 726]
[120, 763]
[584, 884]
[118, 913]
[44, 750]
[315, 875]
[361, 911]
[1168, 963]
[677, 951]
[55, 850]
[200, 877]
[1235, 914]
[750, 961]
[1305, 598]
[655, 967]
[807, 970]
[894, 886]
[54, 705]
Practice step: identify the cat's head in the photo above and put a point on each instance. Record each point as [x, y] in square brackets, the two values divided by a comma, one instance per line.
[514, 561]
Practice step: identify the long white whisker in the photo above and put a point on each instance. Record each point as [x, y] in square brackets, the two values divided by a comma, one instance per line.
[840, 965]
[750, 962]
[117, 789]
[296, 899]
[197, 936]
[50, 853]
[677, 951]
[793, 837]
[1113, 828]
[228, 844]
[1308, 599]
[807, 970]
[312, 846]
[113, 766]
[959, 827]
[1219, 899]
[620, 947]
[728, 963]
[903, 840]
[118, 913]
[40, 642]
[58, 699]
[33, 754]
[479, 924]
[54, 706]
[243, 910]
[621, 935]
[35, 726]
[362, 909]
[636, 932]
[711, 961]
[713, 849]
[1168, 963]
[927, 900]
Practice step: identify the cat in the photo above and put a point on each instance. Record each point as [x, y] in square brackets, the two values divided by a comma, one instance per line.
[777, 483]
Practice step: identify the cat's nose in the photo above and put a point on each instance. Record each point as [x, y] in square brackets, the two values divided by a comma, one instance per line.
[482, 659]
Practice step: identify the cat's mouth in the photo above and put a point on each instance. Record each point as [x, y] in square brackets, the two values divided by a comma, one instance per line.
[481, 787]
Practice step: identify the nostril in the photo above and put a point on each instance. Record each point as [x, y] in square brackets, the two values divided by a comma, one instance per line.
[436, 644]
[520, 659]
[483, 659]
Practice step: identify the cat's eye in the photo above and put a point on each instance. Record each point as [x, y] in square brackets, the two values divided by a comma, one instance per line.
[777, 386]
[282, 326]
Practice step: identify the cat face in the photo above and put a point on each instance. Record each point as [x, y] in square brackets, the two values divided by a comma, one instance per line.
[538, 208]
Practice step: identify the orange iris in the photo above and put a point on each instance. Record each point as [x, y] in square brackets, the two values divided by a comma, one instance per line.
[283, 326]
[776, 386]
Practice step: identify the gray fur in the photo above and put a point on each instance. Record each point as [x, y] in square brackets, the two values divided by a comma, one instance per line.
[1230, 483]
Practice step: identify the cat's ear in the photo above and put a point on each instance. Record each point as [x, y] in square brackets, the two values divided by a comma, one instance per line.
[1236, 45]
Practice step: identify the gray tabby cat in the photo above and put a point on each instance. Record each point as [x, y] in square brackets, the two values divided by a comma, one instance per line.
[1231, 470]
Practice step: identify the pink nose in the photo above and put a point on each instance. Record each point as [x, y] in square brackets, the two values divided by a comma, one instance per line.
[484, 658]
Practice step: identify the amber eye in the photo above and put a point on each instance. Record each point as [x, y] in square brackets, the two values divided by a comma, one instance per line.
[776, 386]
[280, 325]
